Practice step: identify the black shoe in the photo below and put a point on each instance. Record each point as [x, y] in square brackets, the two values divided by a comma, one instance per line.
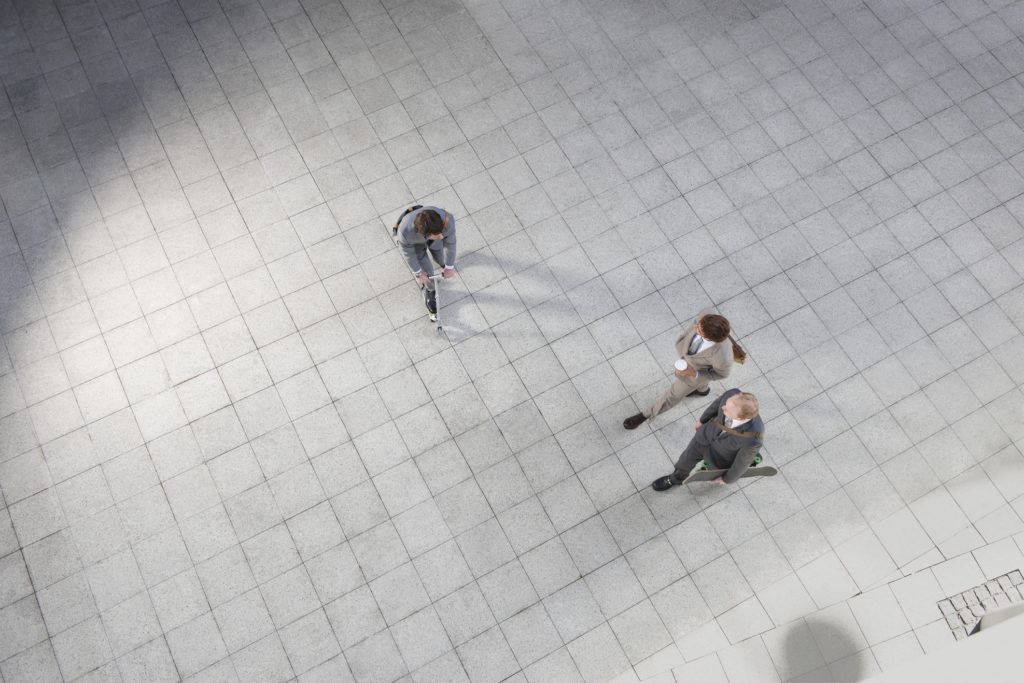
[430, 299]
[634, 421]
[662, 484]
[695, 392]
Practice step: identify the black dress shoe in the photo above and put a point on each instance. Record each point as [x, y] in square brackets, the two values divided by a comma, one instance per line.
[662, 484]
[634, 421]
[699, 393]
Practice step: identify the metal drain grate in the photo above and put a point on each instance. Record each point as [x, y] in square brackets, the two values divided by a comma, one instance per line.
[964, 610]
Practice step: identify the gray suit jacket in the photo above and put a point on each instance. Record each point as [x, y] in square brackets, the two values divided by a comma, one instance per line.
[713, 363]
[727, 451]
[409, 239]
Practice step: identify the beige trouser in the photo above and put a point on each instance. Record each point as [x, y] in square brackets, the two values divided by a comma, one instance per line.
[679, 390]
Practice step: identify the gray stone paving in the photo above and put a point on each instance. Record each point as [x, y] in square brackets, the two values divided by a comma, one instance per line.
[233, 448]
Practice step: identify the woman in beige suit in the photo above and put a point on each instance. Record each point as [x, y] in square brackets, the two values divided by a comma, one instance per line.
[708, 356]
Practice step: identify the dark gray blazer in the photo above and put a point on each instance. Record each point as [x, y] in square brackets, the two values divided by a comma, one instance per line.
[725, 450]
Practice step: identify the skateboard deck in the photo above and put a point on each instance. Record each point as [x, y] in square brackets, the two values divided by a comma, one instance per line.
[708, 475]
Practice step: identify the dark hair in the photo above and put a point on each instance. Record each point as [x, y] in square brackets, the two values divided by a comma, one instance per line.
[714, 327]
[428, 223]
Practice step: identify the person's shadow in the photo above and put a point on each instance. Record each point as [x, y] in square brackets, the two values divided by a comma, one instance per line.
[825, 645]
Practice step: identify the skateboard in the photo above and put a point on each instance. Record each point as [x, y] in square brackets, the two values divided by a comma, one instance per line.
[708, 475]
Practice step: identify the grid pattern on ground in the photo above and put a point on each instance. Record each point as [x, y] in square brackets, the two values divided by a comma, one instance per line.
[231, 446]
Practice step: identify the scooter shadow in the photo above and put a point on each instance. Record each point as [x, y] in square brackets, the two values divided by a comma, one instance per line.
[465, 314]
[460, 319]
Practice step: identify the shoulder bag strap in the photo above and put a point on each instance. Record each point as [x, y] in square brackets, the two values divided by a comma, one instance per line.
[744, 435]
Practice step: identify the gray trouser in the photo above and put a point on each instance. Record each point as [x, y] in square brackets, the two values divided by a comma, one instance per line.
[690, 458]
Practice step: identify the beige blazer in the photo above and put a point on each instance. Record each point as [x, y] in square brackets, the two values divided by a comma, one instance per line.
[713, 363]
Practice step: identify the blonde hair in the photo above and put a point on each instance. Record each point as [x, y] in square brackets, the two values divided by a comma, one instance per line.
[748, 407]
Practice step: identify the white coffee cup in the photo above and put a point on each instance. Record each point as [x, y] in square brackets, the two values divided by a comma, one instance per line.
[681, 365]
